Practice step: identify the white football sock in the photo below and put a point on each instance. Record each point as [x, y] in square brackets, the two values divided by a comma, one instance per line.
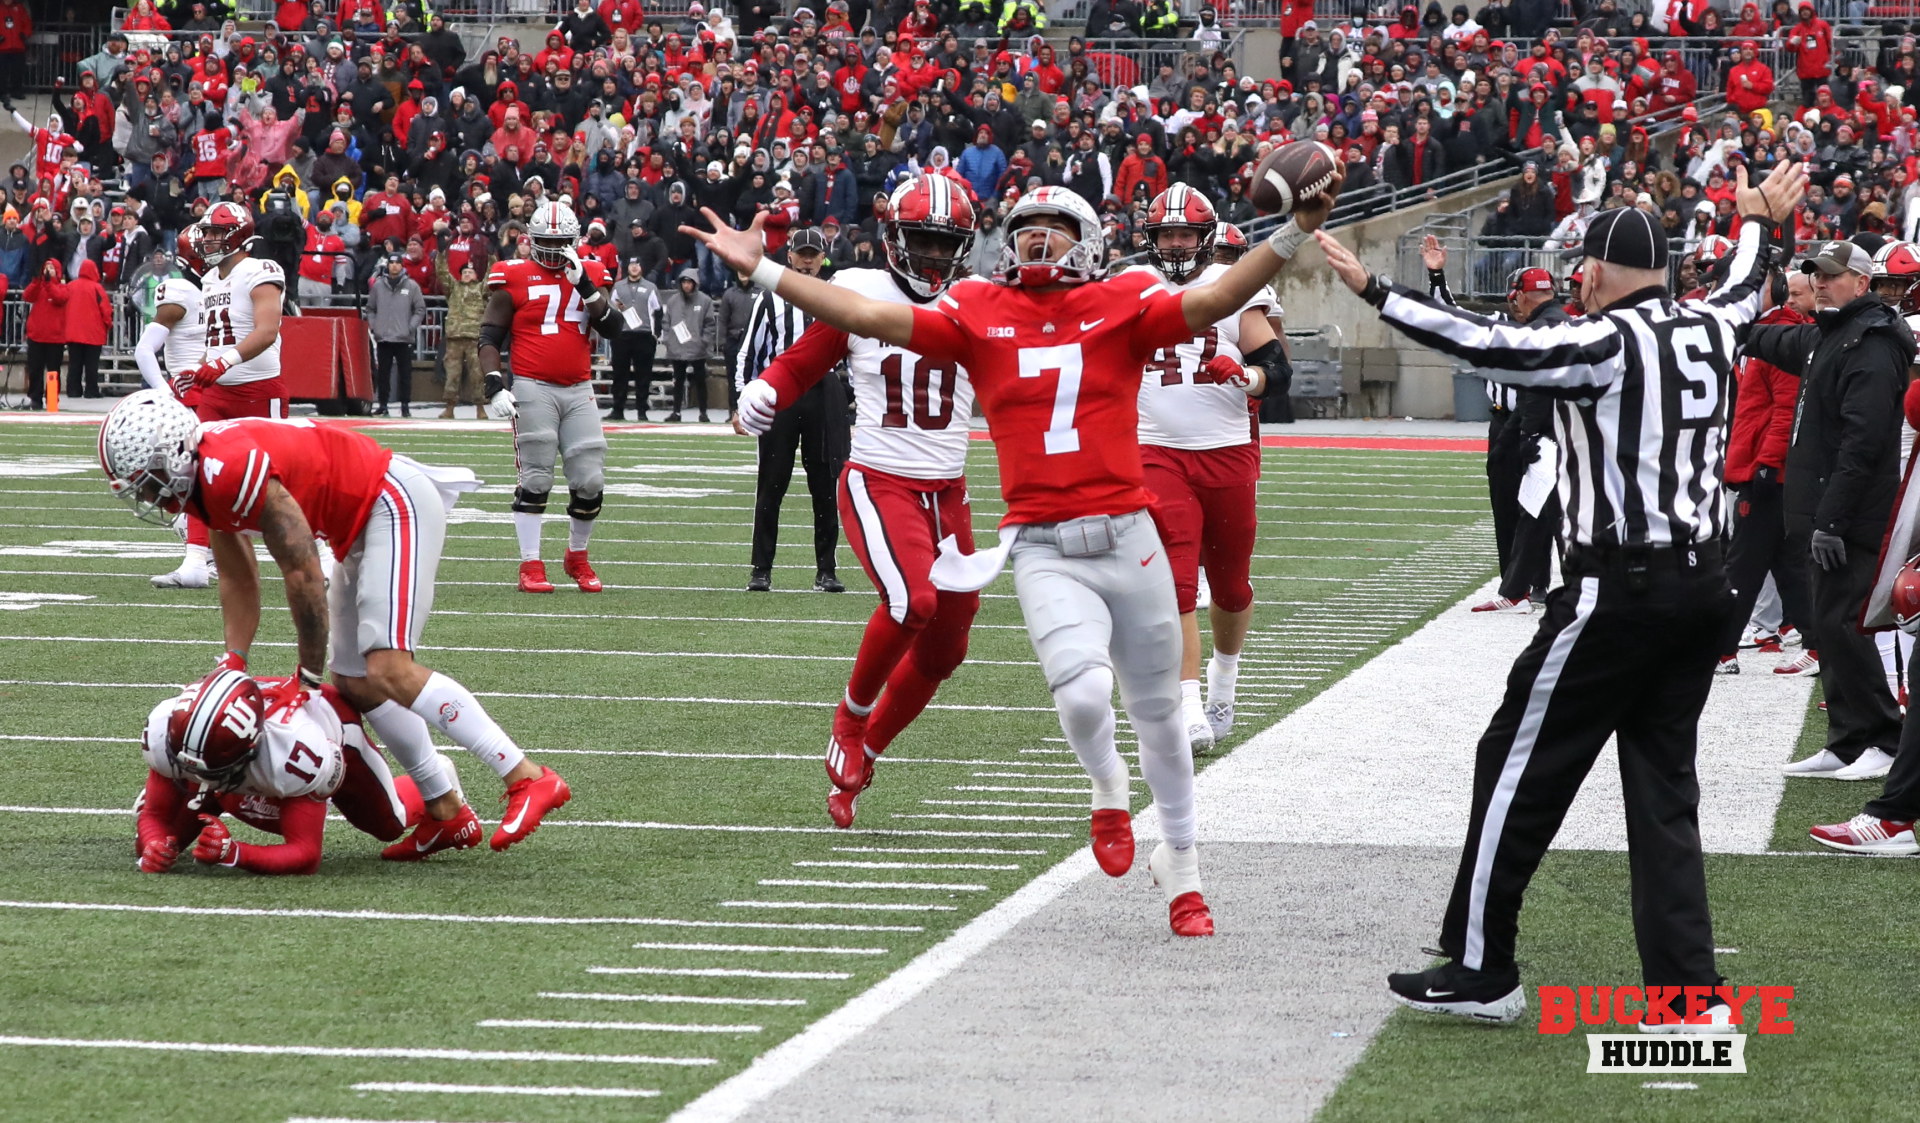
[578, 531]
[1190, 696]
[1223, 673]
[1166, 760]
[855, 707]
[1177, 868]
[404, 734]
[526, 527]
[198, 557]
[1086, 717]
[459, 716]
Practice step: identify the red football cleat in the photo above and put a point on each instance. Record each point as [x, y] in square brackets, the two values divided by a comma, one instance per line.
[577, 567]
[435, 835]
[533, 577]
[409, 793]
[1112, 832]
[1188, 916]
[848, 765]
[527, 802]
[840, 806]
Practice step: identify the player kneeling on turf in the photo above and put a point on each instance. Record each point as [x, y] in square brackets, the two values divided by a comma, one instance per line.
[220, 746]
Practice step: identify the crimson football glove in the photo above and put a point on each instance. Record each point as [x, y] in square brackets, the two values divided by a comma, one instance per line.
[290, 691]
[230, 660]
[1225, 370]
[215, 847]
[208, 373]
[159, 856]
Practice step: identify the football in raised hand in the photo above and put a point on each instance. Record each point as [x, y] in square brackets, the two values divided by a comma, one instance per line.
[1292, 174]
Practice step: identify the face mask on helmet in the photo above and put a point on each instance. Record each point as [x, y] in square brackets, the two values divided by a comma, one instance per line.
[214, 734]
[927, 260]
[1192, 251]
[146, 448]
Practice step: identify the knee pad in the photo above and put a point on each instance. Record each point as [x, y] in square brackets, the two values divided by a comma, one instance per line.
[922, 603]
[1234, 598]
[530, 502]
[1153, 707]
[1086, 697]
[942, 646]
[586, 508]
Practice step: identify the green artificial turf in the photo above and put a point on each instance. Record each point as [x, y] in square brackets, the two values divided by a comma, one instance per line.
[563, 674]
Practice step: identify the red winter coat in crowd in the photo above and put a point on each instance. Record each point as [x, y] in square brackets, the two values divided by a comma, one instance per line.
[88, 311]
[1749, 86]
[1763, 411]
[1811, 41]
[16, 26]
[47, 308]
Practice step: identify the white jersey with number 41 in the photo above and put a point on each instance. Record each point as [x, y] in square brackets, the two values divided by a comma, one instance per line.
[229, 304]
[1177, 409]
[913, 412]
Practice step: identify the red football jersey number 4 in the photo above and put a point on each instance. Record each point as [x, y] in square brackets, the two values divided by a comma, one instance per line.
[1061, 362]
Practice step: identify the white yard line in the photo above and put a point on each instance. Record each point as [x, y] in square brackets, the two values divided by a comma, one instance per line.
[670, 999]
[641, 1027]
[721, 973]
[758, 949]
[350, 1119]
[855, 906]
[931, 850]
[448, 918]
[802, 883]
[367, 1052]
[907, 865]
[502, 1089]
[996, 803]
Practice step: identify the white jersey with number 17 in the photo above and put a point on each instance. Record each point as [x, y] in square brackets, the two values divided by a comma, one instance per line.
[229, 304]
[914, 412]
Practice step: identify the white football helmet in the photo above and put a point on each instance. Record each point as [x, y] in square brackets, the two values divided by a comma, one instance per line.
[555, 229]
[1085, 258]
[147, 448]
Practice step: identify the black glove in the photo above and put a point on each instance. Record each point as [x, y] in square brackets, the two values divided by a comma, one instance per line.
[1829, 550]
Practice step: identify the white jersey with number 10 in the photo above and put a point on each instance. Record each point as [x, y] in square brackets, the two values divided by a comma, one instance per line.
[914, 412]
[229, 304]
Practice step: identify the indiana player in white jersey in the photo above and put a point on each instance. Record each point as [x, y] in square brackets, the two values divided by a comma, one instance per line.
[1200, 446]
[174, 344]
[904, 487]
[238, 372]
[223, 746]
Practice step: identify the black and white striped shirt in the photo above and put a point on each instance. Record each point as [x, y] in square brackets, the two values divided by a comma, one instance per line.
[773, 326]
[1641, 416]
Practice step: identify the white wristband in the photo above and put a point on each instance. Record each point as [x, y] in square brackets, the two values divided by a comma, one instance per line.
[231, 357]
[1287, 240]
[767, 274]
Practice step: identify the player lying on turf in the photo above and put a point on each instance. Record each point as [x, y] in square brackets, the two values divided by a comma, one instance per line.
[285, 480]
[217, 747]
[1055, 354]
[905, 485]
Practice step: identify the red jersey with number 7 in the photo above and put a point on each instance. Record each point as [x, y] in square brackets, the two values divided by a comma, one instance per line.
[335, 474]
[548, 340]
[1057, 375]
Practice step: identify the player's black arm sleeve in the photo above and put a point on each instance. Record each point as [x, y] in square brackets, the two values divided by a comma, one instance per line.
[1271, 357]
[493, 333]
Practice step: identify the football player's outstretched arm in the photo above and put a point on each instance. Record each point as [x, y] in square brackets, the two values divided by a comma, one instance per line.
[1208, 304]
[239, 589]
[848, 311]
[290, 540]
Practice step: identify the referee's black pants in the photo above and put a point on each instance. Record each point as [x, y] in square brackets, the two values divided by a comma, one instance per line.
[816, 425]
[1505, 467]
[1608, 659]
[1529, 557]
[1759, 547]
[1861, 711]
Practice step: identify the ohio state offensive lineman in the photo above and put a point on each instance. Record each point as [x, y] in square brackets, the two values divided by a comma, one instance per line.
[215, 747]
[1055, 354]
[904, 487]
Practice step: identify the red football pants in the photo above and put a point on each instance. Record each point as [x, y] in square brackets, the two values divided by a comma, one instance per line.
[1204, 509]
[918, 635]
[265, 398]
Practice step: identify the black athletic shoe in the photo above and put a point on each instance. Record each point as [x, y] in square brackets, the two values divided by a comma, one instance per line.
[1452, 989]
[828, 583]
[760, 582]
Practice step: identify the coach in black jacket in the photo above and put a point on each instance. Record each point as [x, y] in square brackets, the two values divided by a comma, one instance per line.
[1842, 471]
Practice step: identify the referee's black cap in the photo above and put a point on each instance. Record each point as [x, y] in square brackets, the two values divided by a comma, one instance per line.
[1627, 236]
[809, 238]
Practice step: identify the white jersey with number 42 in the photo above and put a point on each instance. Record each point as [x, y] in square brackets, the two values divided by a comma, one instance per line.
[229, 304]
[300, 751]
[913, 412]
[186, 340]
[1176, 411]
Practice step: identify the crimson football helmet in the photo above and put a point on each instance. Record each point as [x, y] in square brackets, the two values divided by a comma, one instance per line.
[215, 731]
[1712, 248]
[1229, 243]
[226, 230]
[1084, 257]
[1896, 273]
[1181, 208]
[186, 251]
[1905, 601]
[928, 227]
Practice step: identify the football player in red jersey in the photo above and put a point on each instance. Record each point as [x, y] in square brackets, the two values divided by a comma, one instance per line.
[286, 480]
[1201, 448]
[542, 307]
[216, 748]
[1055, 352]
[238, 370]
[905, 485]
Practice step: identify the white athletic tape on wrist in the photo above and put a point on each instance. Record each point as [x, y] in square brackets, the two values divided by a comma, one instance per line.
[767, 274]
[1287, 240]
[231, 357]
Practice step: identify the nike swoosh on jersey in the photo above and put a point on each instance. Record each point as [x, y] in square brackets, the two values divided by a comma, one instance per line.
[1089, 325]
[1149, 557]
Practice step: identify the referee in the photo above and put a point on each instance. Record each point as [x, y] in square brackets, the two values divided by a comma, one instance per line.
[816, 426]
[1628, 644]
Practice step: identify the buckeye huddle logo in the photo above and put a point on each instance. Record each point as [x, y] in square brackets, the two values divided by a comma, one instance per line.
[1750, 1010]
